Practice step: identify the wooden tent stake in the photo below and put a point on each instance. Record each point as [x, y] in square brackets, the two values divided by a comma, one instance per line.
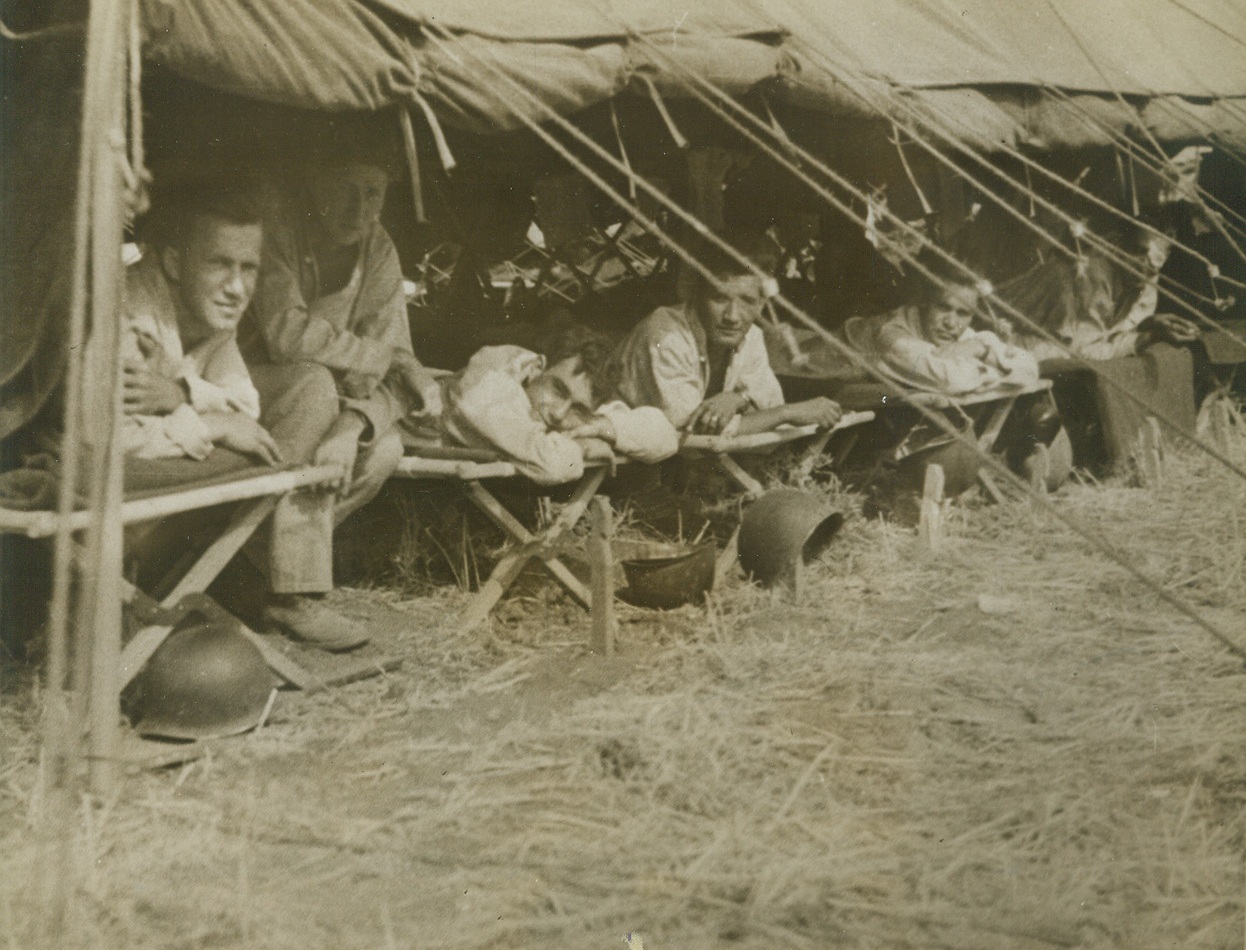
[601, 559]
[1221, 418]
[1151, 453]
[930, 528]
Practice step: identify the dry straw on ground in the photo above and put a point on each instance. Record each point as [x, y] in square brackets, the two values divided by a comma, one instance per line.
[1011, 744]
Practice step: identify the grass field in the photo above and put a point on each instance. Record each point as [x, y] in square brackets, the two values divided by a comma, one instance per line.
[1009, 743]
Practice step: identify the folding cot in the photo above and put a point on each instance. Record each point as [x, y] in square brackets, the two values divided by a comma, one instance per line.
[990, 410]
[252, 493]
[724, 449]
[472, 469]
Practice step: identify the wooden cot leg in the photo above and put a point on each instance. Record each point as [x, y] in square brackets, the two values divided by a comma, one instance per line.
[510, 566]
[575, 508]
[145, 643]
[139, 650]
[282, 665]
[986, 442]
[498, 514]
[818, 444]
[601, 557]
[504, 574]
[815, 449]
[743, 478]
[988, 482]
[813, 452]
[221, 551]
[995, 423]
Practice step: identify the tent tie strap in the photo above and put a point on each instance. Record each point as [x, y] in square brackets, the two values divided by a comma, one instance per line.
[448, 161]
[623, 157]
[680, 141]
[413, 163]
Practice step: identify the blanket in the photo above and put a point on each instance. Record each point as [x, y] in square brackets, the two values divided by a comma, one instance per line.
[1103, 420]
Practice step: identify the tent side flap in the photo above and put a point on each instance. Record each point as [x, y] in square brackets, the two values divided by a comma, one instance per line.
[314, 54]
[734, 65]
[40, 186]
[466, 91]
[1172, 117]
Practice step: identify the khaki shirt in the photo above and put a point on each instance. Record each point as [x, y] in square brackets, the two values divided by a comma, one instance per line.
[353, 331]
[215, 376]
[664, 362]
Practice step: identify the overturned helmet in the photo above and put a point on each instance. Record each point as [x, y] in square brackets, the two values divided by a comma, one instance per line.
[960, 464]
[204, 681]
[666, 582]
[782, 528]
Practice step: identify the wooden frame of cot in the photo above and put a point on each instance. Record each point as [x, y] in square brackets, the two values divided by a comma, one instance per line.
[722, 448]
[875, 397]
[472, 467]
[257, 495]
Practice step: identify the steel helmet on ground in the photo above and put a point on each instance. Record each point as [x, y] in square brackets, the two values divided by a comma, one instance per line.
[206, 680]
[782, 528]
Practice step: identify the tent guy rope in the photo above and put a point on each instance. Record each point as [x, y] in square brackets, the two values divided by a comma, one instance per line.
[445, 39]
[848, 211]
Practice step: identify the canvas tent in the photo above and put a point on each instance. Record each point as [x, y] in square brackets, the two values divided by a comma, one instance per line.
[73, 123]
[1011, 73]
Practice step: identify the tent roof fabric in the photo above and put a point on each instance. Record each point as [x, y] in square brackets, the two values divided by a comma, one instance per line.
[1142, 47]
[584, 21]
[366, 54]
[1139, 47]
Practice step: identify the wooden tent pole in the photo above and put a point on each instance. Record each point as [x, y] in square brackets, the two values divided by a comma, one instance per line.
[55, 797]
[61, 727]
[96, 621]
[99, 614]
